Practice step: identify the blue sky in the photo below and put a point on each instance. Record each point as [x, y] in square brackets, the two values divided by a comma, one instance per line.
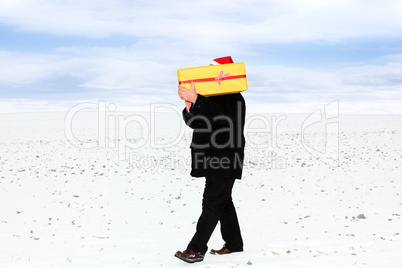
[299, 55]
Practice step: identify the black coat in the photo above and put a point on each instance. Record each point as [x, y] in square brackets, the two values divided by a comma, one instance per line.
[217, 146]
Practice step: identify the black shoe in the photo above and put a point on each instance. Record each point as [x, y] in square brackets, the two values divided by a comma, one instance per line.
[189, 256]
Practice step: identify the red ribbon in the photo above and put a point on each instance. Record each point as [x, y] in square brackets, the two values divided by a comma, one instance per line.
[218, 78]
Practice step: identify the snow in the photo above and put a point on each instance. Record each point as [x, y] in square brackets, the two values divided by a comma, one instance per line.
[116, 205]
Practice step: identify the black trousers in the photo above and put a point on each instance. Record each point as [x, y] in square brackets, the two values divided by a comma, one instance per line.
[217, 205]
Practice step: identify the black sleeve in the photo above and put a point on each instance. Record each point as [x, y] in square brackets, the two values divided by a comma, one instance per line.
[194, 122]
[187, 116]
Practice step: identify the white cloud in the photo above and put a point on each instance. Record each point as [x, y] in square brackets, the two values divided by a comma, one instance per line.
[180, 34]
[208, 22]
[21, 68]
[115, 75]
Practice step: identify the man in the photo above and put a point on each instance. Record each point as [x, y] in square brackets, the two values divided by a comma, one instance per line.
[217, 152]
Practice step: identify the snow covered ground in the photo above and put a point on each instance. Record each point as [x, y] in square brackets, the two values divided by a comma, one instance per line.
[114, 205]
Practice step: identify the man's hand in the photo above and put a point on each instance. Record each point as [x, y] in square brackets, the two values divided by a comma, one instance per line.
[188, 94]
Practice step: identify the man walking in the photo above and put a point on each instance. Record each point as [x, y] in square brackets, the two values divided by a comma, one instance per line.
[217, 152]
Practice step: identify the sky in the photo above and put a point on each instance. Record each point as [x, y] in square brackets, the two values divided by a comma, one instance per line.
[300, 55]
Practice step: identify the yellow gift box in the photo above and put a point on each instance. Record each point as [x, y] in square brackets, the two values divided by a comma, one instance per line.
[215, 79]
